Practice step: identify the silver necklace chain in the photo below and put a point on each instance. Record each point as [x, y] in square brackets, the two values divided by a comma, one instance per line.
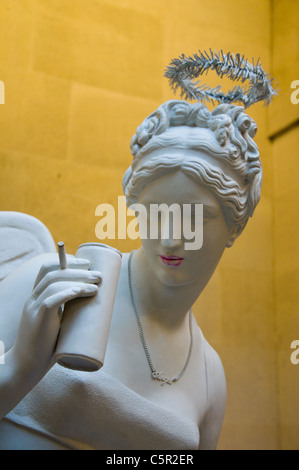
[155, 374]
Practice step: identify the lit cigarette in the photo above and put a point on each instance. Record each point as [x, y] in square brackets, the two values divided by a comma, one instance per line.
[62, 255]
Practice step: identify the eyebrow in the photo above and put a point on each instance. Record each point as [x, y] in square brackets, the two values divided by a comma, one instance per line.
[207, 208]
[211, 209]
[157, 203]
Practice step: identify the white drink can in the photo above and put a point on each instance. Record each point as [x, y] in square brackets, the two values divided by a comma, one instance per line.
[86, 321]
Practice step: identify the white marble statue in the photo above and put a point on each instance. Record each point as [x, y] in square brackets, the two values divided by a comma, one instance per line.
[162, 385]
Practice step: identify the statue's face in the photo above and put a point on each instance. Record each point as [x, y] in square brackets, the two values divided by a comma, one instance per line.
[168, 258]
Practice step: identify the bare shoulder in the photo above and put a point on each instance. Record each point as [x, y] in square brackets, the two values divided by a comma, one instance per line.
[211, 425]
[215, 375]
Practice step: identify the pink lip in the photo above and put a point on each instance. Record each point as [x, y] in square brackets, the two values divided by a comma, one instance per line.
[171, 260]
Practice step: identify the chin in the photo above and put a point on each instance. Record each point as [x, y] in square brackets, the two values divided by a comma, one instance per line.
[172, 276]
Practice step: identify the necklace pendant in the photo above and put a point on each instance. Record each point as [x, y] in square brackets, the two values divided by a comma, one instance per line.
[164, 380]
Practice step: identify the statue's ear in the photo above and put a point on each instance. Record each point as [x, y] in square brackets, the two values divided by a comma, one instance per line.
[234, 232]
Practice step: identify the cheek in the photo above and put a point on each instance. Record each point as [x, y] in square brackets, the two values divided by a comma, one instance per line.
[148, 242]
[214, 241]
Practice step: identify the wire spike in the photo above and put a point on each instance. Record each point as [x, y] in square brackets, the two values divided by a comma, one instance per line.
[182, 71]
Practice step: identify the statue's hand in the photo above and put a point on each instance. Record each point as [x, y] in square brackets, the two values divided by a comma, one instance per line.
[40, 322]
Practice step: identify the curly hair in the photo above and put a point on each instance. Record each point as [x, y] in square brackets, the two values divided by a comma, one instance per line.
[233, 171]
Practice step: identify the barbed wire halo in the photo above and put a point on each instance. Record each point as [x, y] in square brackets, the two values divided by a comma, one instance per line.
[182, 71]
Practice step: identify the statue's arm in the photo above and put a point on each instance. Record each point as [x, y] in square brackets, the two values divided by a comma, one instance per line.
[211, 425]
[30, 299]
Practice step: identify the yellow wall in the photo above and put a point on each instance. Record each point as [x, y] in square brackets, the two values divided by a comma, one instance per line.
[80, 76]
[284, 134]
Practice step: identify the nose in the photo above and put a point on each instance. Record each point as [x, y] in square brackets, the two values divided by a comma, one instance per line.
[171, 244]
[169, 237]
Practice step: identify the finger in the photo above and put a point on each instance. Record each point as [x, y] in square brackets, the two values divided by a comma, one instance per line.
[58, 298]
[49, 266]
[76, 275]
